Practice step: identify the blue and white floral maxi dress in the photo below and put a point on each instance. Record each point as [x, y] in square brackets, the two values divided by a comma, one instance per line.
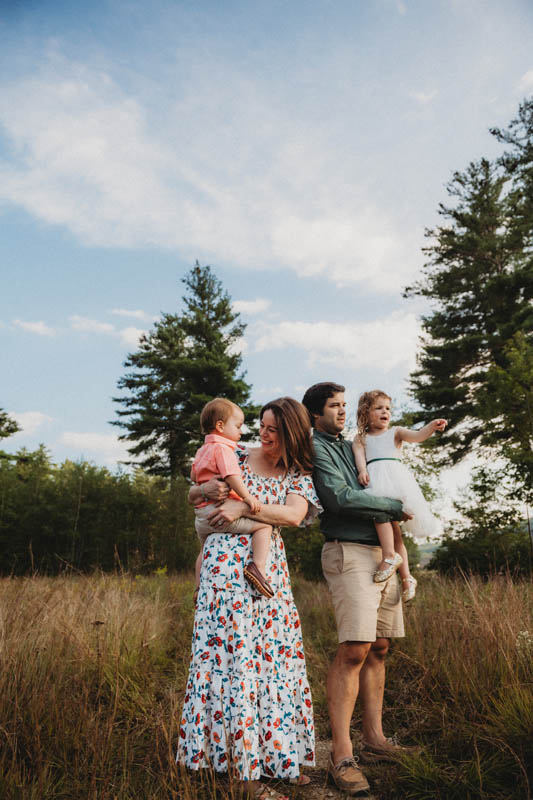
[247, 699]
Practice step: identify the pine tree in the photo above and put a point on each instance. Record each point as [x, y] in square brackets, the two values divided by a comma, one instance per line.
[186, 360]
[479, 278]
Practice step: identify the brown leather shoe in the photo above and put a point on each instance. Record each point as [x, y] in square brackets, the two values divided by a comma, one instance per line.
[347, 776]
[253, 575]
[391, 750]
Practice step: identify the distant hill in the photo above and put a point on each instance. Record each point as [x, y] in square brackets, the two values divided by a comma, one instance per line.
[426, 551]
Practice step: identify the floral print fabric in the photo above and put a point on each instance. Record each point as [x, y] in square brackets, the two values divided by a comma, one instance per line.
[247, 699]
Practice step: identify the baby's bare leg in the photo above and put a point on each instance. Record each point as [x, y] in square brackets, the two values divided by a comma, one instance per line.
[402, 550]
[198, 566]
[261, 546]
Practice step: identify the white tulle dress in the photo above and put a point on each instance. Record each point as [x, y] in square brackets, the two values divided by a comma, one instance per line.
[390, 478]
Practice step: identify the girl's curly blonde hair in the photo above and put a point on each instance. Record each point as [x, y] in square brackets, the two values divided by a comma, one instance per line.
[366, 402]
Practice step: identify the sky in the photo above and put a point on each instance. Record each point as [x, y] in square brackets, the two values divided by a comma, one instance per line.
[300, 149]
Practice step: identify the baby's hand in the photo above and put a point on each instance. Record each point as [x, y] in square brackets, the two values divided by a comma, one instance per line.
[363, 478]
[439, 424]
[253, 503]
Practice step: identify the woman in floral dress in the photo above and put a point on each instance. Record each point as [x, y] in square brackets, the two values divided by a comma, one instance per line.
[248, 703]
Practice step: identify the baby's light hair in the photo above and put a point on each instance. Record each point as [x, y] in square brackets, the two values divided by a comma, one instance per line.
[366, 401]
[217, 409]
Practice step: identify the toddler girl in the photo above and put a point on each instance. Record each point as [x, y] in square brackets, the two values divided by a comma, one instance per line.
[221, 421]
[377, 456]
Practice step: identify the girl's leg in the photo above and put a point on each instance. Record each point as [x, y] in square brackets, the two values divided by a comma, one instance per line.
[402, 550]
[386, 540]
[408, 582]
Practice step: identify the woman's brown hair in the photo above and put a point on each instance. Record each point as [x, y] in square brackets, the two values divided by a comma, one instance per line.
[294, 433]
[366, 401]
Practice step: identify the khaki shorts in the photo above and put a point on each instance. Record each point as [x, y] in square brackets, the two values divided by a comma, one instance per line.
[364, 610]
[204, 527]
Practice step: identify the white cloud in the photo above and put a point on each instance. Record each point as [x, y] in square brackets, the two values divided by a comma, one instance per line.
[137, 314]
[384, 343]
[130, 336]
[250, 182]
[525, 84]
[90, 325]
[251, 306]
[30, 421]
[40, 328]
[102, 444]
[424, 98]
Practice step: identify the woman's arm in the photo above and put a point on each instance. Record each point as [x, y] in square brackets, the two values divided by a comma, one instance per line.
[215, 490]
[409, 435]
[292, 513]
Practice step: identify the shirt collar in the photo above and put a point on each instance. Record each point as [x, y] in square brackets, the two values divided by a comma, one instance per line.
[329, 437]
[214, 438]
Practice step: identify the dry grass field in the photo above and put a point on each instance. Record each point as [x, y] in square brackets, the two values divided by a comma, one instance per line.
[93, 669]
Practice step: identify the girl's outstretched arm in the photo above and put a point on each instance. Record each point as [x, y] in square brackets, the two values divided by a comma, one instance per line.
[409, 435]
[359, 455]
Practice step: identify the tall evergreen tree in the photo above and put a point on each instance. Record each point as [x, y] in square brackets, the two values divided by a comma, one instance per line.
[480, 281]
[186, 360]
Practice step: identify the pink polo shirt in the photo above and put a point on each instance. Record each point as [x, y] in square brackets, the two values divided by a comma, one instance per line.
[216, 458]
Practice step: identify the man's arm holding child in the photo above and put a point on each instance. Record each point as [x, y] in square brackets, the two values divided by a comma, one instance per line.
[340, 498]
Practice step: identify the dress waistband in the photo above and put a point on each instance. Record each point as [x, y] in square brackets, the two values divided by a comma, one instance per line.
[382, 459]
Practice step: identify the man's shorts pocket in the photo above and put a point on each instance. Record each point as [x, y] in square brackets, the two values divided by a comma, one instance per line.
[332, 558]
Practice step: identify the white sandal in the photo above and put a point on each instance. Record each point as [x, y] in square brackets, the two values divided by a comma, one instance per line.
[409, 591]
[384, 574]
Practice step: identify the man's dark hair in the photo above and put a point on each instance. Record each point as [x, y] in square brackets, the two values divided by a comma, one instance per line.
[315, 397]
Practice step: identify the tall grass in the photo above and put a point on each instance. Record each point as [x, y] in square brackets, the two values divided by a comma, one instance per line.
[462, 683]
[92, 671]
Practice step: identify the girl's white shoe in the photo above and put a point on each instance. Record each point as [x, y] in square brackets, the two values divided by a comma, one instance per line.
[409, 588]
[384, 574]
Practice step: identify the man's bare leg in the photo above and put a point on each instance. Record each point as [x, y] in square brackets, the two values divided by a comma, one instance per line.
[343, 688]
[371, 689]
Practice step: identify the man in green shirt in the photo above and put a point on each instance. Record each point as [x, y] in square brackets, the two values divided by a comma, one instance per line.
[368, 614]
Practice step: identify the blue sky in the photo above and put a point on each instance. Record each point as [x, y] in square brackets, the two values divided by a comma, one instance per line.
[299, 148]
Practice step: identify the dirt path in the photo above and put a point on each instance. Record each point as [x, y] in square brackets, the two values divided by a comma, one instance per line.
[320, 788]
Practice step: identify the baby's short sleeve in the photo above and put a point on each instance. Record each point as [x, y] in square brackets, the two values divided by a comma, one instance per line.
[225, 460]
[304, 486]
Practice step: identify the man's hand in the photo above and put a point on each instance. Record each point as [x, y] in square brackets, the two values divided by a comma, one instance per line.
[406, 516]
[363, 477]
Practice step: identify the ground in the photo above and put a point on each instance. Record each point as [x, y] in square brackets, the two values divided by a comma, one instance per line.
[320, 788]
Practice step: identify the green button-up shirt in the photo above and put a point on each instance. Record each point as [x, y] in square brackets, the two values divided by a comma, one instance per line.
[349, 512]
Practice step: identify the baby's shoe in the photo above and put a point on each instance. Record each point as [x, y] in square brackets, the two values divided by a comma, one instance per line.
[409, 588]
[384, 574]
[253, 575]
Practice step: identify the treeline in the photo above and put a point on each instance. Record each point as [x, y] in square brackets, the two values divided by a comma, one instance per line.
[83, 517]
